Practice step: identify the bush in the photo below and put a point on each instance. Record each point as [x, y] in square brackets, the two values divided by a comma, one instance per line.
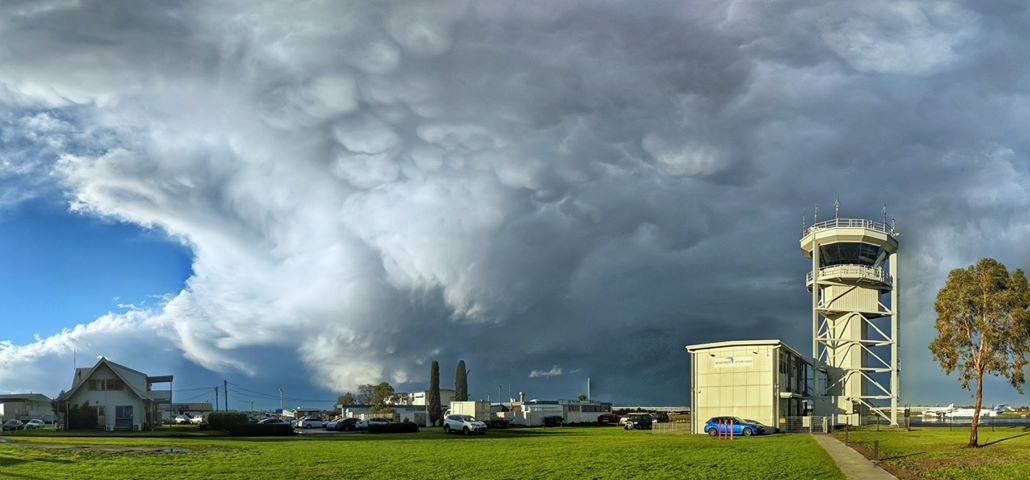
[404, 427]
[82, 417]
[261, 430]
[225, 420]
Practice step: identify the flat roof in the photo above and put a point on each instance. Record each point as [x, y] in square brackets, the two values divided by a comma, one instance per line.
[744, 343]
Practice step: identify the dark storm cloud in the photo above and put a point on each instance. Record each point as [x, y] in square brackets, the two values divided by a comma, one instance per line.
[573, 187]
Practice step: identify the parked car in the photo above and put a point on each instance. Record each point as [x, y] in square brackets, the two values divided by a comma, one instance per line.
[608, 419]
[12, 425]
[363, 424]
[272, 421]
[34, 424]
[346, 424]
[311, 422]
[638, 421]
[660, 417]
[739, 426]
[463, 424]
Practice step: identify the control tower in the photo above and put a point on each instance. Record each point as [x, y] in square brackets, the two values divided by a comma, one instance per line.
[854, 285]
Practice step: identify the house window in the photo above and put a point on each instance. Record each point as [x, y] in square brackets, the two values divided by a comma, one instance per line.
[93, 385]
[114, 384]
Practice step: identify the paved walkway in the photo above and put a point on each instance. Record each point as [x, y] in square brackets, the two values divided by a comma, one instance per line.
[854, 465]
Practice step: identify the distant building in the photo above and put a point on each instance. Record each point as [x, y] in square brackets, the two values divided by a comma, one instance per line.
[533, 412]
[422, 398]
[26, 406]
[124, 398]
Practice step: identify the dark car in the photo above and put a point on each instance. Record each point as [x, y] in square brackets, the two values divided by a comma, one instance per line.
[638, 421]
[734, 426]
[608, 419]
[347, 425]
[660, 417]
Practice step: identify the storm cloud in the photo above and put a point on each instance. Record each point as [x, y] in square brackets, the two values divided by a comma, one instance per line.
[575, 186]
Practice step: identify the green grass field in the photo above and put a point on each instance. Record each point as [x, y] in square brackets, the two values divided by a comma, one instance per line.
[514, 453]
[939, 452]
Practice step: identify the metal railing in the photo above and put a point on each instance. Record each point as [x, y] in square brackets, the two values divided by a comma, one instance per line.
[878, 274]
[851, 223]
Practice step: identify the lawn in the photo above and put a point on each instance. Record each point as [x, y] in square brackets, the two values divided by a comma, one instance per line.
[515, 453]
[939, 453]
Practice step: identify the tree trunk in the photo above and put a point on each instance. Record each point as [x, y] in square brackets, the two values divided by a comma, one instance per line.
[974, 441]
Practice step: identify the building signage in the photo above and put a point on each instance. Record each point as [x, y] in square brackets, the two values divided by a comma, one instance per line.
[729, 362]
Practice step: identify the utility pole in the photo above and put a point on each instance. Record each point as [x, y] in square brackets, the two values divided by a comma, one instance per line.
[225, 383]
[216, 399]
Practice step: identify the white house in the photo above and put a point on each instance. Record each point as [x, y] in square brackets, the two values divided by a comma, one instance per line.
[124, 398]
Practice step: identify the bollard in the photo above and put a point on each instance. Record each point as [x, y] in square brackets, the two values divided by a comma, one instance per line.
[845, 436]
[876, 450]
[731, 430]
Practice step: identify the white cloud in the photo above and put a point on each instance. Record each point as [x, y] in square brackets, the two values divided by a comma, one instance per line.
[553, 372]
[370, 186]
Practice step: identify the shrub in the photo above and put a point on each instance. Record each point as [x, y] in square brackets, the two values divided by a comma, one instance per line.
[82, 416]
[225, 420]
[261, 430]
[404, 427]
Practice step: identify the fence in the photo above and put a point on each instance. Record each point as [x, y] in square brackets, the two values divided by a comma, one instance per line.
[670, 428]
[813, 424]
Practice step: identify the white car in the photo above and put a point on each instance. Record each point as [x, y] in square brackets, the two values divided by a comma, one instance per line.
[311, 422]
[372, 421]
[463, 424]
[34, 424]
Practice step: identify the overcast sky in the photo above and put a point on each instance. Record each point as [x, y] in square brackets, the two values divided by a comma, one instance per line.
[324, 194]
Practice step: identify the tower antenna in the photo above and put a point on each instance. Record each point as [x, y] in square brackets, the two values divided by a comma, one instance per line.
[815, 217]
[836, 207]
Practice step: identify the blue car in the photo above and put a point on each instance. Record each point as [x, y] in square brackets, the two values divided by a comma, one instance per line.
[740, 427]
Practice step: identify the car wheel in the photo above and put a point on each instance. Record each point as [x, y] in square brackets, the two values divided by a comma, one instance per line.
[747, 432]
[465, 430]
[712, 432]
[446, 429]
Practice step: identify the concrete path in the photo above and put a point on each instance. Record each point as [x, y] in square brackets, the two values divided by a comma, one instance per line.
[854, 465]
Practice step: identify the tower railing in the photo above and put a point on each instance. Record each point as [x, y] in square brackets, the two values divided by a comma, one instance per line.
[850, 223]
[878, 274]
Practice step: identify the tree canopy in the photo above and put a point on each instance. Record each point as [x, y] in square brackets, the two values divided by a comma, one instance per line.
[983, 326]
[435, 412]
[461, 382]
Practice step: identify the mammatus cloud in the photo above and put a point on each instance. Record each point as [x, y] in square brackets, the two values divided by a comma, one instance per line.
[367, 187]
[553, 372]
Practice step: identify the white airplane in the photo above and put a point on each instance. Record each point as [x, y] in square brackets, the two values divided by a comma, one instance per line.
[939, 411]
[968, 413]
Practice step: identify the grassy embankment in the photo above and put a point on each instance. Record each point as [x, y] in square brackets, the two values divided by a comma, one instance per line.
[940, 453]
[515, 453]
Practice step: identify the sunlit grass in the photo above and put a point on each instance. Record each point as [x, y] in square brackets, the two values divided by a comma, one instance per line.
[938, 452]
[516, 453]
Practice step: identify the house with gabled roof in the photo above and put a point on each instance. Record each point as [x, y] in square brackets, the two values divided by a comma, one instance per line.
[124, 398]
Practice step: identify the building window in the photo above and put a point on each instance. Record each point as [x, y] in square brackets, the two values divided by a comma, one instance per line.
[93, 385]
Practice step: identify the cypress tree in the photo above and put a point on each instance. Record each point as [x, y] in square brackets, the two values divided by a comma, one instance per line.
[434, 394]
[461, 383]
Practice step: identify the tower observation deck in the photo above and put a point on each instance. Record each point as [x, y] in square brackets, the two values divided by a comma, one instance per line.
[854, 285]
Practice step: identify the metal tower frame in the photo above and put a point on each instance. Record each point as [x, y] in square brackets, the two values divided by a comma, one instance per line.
[831, 317]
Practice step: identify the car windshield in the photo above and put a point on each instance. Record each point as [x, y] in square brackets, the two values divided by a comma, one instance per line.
[466, 418]
[748, 420]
